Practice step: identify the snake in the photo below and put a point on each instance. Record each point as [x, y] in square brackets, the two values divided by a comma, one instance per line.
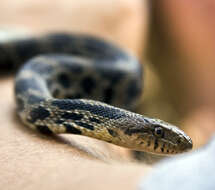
[84, 85]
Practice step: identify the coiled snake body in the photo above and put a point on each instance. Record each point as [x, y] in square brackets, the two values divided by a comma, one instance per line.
[63, 89]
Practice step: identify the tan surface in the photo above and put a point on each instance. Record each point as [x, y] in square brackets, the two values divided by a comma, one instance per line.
[32, 161]
[122, 21]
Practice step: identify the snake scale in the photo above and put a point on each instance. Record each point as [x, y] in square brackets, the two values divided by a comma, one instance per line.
[79, 84]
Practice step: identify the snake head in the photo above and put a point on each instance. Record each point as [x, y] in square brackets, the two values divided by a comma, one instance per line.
[156, 136]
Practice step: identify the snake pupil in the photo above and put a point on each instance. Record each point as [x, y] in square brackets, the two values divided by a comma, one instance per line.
[158, 131]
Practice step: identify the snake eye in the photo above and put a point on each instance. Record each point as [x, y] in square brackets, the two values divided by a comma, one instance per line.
[158, 131]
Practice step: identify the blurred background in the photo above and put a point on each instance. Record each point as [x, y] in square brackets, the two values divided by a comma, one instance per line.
[174, 40]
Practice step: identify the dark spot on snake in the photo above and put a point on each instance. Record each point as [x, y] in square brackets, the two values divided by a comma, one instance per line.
[73, 96]
[102, 50]
[112, 132]
[130, 131]
[59, 42]
[56, 93]
[85, 125]
[162, 149]
[6, 59]
[72, 67]
[167, 150]
[44, 129]
[146, 120]
[72, 116]
[71, 129]
[95, 48]
[88, 84]
[59, 121]
[92, 119]
[38, 113]
[155, 144]
[112, 75]
[148, 143]
[27, 48]
[133, 90]
[64, 80]
[107, 112]
[179, 141]
[108, 95]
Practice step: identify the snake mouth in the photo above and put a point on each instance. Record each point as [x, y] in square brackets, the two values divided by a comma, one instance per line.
[183, 144]
[164, 147]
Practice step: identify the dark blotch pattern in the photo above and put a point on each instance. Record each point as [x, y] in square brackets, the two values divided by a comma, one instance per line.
[56, 93]
[156, 144]
[146, 120]
[71, 65]
[73, 96]
[108, 112]
[162, 149]
[114, 76]
[59, 42]
[64, 80]
[133, 89]
[27, 48]
[39, 113]
[92, 119]
[44, 129]
[71, 129]
[130, 131]
[60, 121]
[72, 116]
[112, 132]
[178, 141]
[85, 125]
[88, 84]
[6, 60]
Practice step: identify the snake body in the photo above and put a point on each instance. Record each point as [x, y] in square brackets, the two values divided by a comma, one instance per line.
[69, 86]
